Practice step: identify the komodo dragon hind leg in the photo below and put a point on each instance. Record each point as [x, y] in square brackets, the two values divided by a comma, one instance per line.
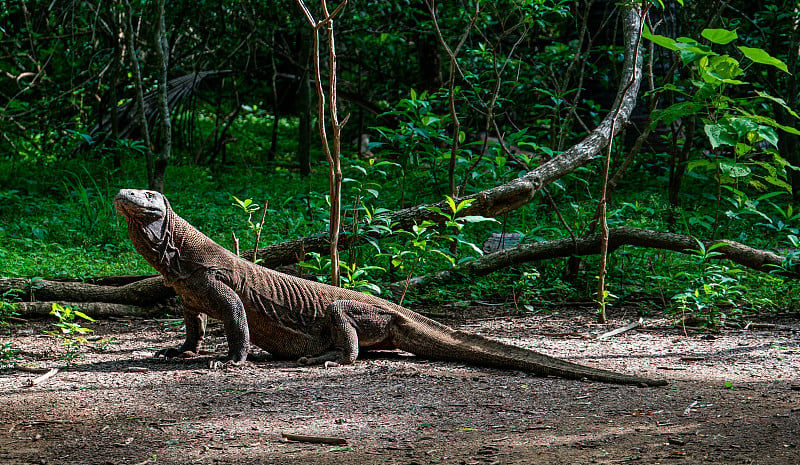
[352, 324]
[344, 336]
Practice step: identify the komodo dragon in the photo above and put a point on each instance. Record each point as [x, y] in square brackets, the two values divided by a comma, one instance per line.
[292, 317]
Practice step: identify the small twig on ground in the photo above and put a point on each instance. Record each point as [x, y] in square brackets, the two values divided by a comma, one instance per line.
[313, 439]
[689, 408]
[770, 326]
[620, 330]
[565, 334]
[43, 378]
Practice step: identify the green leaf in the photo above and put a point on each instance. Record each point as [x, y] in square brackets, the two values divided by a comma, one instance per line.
[716, 245]
[719, 36]
[777, 182]
[734, 170]
[452, 203]
[676, 112]
[663, 41]
[340, 449]
[719, 134]
[779, 101]
[769, 135]
[743, 125]
[760, 56]
[722, 68]
[475, 219]
[83, 315]
[438, 210]
[690, 50]
[771, 122]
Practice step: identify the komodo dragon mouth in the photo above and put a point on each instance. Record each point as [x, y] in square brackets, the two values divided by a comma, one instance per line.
[139, 204]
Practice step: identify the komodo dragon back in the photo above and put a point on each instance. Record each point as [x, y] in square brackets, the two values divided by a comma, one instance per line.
[292, 317]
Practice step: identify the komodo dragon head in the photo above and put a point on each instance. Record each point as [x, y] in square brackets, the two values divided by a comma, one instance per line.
[155, 230]
[141, 207]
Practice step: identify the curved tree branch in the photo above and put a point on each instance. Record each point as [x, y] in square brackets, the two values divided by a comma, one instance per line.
[514, 194]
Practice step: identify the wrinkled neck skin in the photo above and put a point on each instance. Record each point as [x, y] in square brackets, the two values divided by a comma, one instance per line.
[160, 243]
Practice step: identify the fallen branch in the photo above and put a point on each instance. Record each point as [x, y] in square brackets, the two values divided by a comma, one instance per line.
[43, 378]
[313, 439]
[144, 292]
[27, 369]
[92, 309]
[613, 333]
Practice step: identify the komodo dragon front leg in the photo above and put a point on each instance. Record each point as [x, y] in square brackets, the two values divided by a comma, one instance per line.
[195, 322]
[221, 302]
[352, 325]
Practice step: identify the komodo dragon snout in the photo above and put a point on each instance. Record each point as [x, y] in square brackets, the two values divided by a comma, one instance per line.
[309, 321]
[140, 204]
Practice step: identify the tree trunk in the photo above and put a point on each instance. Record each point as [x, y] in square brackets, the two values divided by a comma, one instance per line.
[139, 86]
[165, 126]
[304, 102]
[429, 57]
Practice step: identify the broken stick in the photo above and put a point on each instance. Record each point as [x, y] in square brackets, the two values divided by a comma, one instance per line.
[635, 324]
[313, 439]
[43, 378]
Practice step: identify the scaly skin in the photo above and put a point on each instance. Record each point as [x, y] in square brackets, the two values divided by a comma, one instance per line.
[292, 317]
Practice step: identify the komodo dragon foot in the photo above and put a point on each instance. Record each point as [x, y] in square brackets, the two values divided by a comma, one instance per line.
[172, 352]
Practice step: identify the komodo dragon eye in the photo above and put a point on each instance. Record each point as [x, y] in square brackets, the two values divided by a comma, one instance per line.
[149, 195]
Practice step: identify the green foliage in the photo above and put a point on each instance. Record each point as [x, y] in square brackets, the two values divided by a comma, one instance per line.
[714, 293]
[729, 119]
[8, 355]
[69, 330]
[8, 305]
[249, 207]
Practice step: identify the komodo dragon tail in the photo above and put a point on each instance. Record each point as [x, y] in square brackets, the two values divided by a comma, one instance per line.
[430, 339]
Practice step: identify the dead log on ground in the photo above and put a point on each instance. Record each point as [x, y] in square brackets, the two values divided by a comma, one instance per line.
[143, 293]
[96, 309]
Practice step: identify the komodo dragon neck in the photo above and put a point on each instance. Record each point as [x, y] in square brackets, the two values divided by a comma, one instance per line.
[172, 246]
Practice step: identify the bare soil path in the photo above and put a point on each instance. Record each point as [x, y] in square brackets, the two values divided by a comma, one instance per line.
[733, 398]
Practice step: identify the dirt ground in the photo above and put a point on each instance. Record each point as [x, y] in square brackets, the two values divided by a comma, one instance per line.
[733, 398]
